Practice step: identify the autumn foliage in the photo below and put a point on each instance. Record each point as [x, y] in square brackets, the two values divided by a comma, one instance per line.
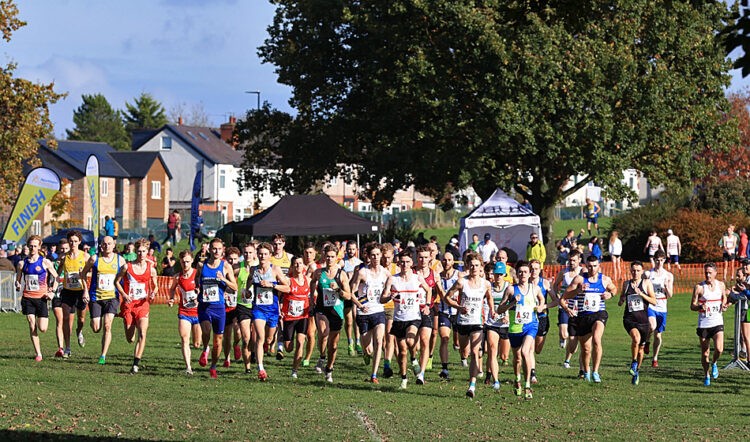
[734, 162]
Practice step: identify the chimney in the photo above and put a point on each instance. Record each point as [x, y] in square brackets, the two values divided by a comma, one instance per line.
[227, 132]
[179, 120]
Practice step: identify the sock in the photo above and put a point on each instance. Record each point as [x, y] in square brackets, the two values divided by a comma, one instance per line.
[528, 385]
[387, 363]
[358, 343]
[260, 367]
[472, 385]
[349, 340]
[421, 373]
[136, 361]
[533, 372]
[518, 378]
[374, 376]
[445, 365]
[329, 370]
[213, 366]
[567, 361]
[205, 349]
[403, 376]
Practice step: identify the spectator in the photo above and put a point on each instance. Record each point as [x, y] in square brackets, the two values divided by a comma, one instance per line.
[5, 263]
[52, 252]
[116, 228]
[452, 247]
[595, 247]
[153, 243]
[527, 205]
[197, 227]
[536, 250]
[129, 254]
[474, 246]
[109, 227]
[171, 228]
[168, 263]
[488, 248]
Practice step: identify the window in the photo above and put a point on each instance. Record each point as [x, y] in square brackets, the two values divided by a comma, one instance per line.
[334, 181]
[36, 227]
[104, 187]
[222, 178]
[166, 143]
[156, 190]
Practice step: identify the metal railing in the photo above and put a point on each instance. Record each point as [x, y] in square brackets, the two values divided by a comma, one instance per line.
[10, 299]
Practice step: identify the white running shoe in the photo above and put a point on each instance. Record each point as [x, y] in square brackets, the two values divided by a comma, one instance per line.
[81, 339]
[329, 377]
[403, 384]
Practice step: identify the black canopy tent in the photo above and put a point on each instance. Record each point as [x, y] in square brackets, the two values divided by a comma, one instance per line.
[305, 215]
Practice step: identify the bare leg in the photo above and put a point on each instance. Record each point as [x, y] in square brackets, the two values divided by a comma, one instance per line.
[184, 329]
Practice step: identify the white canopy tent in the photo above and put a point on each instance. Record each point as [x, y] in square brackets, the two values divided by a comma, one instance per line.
[505, 219]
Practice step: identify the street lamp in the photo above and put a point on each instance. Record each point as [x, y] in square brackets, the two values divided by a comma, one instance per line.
[257, 93]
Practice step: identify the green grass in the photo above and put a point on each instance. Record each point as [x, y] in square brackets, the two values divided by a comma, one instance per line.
[76, 398]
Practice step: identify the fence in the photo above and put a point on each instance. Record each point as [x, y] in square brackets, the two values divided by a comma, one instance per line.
[10, 300]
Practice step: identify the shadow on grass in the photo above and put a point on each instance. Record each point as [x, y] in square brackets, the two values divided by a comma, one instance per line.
[22, 435]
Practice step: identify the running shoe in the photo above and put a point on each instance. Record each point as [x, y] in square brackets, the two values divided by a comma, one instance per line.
[429, 364]
[595, 376]
[350, 348]
[636, 378]
[134, 369]
[387, 372]
[444, 374]
[714, 371]
[633, 368]
[305, 362]
[375, 380]
[262, 375]
[188, 372]
[59, 353]
[203, 360]
[366, 359]
[562, 343]
[279, 355]
[496, 386]
[66, 353]
[102, 360]
[320, 365]
[415, 369]
[237, 353]
[358, 347]
[212, 372]
[420, 379]
[470, 393]
[707, 381]
[329, 377]
[655, 364]
[528, 394]
[403, 384]
[294, 374]
[480, 374]
[534, 380]
[487, 380]
[227, 363]
[81, 339]
[38, 358]
[587, 376]
[581, 374]
[504, 363]
[456, 347]
[518, 390]
[566, 364]
[464, 363]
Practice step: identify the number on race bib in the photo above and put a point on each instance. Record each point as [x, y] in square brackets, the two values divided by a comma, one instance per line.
[189, 299]
[296, 308]
[74, 280]
[264, 296]
[230, 299]
[32, 282]
[248, 295]
[137, 290]
[374, 295]
[712, 309]
[211, 293]
[523, 314]
[106, 282]
[591, 302]
[330, 297]
[635, 303]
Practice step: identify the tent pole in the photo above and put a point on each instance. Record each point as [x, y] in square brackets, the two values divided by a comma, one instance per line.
[380, 238]
[358, 243]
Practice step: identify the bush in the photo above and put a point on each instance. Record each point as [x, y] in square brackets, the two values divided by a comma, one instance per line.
[635, 225]
[700, 232]
[731, 196]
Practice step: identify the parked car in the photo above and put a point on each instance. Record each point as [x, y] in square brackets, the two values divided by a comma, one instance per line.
[88, 237]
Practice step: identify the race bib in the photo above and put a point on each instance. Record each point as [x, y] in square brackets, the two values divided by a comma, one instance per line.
[296, 308]
[32, 282]
[230, 299]
[248, 295]
[74, 280]
[635, 303]
[473, 313]
[330, 297]
[211, 293]
[374, 295]
[264, 296]
[409, 302]
[712, 309]
[189, 299]
[524, 314]
[106, 282]
[421, 297]
[137, 290]
[591, 302]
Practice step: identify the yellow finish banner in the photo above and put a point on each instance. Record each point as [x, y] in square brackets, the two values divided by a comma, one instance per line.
[41, 185]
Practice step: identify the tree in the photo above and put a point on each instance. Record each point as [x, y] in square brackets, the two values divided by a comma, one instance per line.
[96, 120]
[192, 115]
[145, 113]
[737, 36]
[523, 94]
[24, 114]
[732, 163]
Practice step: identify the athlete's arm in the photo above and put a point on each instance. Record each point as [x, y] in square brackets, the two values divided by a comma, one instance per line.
[610, 288]
[574, 288]
[622, 292]
[47, 264]
[118, 284]
[540, 304]
[228, 277]
[356, 280]
[694, 303]
[172, 291]
[507, 302]
[488, 298]
[281, 281]
[554, 300]
[345, 292]
[313, 282]
[669, 285]
[449, 297]
[154, 284]
[427, 289]
[648, 294]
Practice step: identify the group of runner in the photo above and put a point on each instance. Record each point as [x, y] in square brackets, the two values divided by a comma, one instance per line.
[393, 304]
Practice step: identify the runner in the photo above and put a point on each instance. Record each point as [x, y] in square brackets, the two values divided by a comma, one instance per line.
[653, 244]
[280, 258]
[663, 283]
[186, 284]
[311, 265]
[496, 326]
[407, 313]
[710, 301]
[57, 305]
[446, 316]
[295, 310]
[674, 248]
[591, 289]
[73, 290]
[369, 284]
[728, 243]
[591, 211]
[136, 284]
[231, 325]
[331, 286]
[103, 297]
[566, 312]
[350, 264]
[637, 291]
[389, 340]
[542, 316]
[615, 251]
[426, 326]
[437, 267]
[35, 271]
[266, 278]
[215, 277]
[245, 305]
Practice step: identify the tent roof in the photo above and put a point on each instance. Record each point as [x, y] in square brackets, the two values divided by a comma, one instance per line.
[500, 205]
[302, 215]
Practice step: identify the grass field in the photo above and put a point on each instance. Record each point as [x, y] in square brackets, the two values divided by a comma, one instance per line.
[76, 398]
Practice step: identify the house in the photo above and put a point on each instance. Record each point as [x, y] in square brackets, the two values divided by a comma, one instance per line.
[186, 149]
[345, 193]
[125, 179]
[631, 178]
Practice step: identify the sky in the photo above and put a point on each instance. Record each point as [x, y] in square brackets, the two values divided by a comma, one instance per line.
[180, 51]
